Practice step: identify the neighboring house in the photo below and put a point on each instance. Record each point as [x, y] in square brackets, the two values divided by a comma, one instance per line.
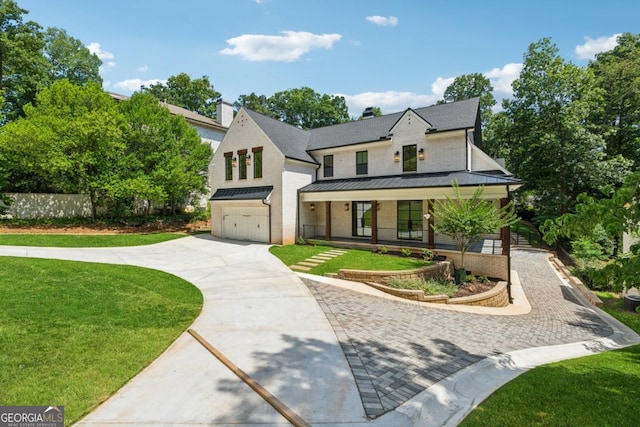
[210, 131]
[372, 180]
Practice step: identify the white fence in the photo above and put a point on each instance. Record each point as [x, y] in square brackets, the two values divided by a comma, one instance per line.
[37, 205]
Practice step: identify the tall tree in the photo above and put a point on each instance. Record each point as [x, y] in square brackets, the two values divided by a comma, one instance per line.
[469, 86]
[165, 160]
[197, 95]
[22, 65]
[305, 108]
[69, 59]
[552, 147]
[617, 72]
[257, 103]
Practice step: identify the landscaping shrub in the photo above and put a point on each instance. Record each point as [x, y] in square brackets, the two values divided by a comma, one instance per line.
[429, 286]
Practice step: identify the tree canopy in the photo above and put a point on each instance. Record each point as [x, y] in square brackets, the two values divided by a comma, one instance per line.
[31, 58]
[197, 95]
[469, 86]
[301, 107]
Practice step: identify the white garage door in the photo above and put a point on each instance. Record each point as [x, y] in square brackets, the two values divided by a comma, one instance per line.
[248, 223]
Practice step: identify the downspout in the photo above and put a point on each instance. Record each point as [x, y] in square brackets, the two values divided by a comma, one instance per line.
[466, 150]
[267, 202]
[509, 254]
[298, 225]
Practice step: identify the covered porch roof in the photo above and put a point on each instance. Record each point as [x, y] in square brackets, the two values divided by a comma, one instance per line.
[410, 186]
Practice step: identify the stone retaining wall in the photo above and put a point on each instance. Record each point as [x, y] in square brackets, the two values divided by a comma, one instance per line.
[496, 297]
[577, 283]
[438, 270]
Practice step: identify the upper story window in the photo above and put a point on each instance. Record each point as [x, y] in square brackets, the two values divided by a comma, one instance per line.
[327, 162]
[409, 158]
[257, 162]
[242, 164]
[362, 163]
[228, 166]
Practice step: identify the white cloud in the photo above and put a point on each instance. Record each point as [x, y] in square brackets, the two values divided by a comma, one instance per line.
[105, 56]
[388, 102]
[133, 85]
[502, 78]
[143, 69]
[440, 85]
[383, 21]
[591, 46]
[287, 48]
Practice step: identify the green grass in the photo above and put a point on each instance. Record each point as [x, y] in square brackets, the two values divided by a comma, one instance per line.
[73, 333]
[599, 390]
[86, 240]
[353, 259]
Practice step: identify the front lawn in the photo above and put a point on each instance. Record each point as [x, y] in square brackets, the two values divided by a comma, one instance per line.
[73, 333]
[598, 390]
[86, 240]
[353, 259]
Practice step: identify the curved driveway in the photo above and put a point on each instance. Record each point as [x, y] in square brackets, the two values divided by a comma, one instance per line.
[417, 365]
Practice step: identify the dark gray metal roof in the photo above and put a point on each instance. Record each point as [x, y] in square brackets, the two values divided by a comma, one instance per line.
[291, 141]
[246, 193]
[426, 180]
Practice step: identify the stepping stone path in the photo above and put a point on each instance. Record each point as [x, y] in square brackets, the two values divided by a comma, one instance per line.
[316, 260]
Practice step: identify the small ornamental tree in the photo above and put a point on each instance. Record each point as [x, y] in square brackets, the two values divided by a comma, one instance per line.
[465, 220]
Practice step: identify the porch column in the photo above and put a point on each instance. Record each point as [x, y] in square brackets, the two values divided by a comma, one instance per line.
[431, 244]
[374, 222]
[327, 221]
[505, 233]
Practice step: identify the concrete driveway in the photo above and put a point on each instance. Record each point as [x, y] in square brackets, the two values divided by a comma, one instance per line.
[263, 318]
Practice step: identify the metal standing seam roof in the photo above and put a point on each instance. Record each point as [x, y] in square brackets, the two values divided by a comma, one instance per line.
[244, 193]
[440, 179]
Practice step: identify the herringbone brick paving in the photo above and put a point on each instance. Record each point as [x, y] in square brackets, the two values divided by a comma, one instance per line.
[396, 350]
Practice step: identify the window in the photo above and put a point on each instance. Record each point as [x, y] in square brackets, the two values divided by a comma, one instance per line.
[410, 220]
[409, 158]
[327, 162]
[257, 162]
[361, 219]
[228, 166]
[362, 163]
[242, 164]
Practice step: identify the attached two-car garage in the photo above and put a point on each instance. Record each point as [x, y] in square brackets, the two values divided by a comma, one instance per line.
[242, 214]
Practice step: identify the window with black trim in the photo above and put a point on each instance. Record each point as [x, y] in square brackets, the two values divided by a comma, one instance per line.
[257, 162]
[409, 158]
[410, 220]
[228, 166]
[362, 162]
[242, 164]
[327, 162]
[361, 219]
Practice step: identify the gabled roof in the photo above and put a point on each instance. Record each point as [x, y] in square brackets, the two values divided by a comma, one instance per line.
[296, 143]
[439, 179]
[442, 117]
[291, 141]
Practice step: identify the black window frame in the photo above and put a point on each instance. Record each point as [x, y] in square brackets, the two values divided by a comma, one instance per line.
[257, 163]
[409, 225]
[228, 166]
[361, 223]
[410, 158]
[327, 166]
[242, 164]
[362, 167]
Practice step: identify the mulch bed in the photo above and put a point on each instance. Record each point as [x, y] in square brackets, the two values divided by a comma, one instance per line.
[474, 288]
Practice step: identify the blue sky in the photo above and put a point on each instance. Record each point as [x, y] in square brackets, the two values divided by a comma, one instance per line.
[391, 54]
